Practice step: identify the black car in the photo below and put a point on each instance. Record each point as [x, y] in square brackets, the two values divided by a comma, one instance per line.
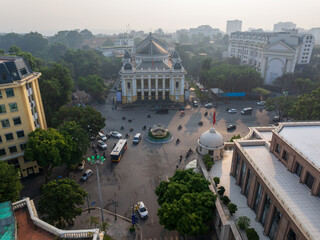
[276, 119]
[162, 111]
[231, 127]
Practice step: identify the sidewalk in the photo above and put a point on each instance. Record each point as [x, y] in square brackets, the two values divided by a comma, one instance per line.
[117, 229]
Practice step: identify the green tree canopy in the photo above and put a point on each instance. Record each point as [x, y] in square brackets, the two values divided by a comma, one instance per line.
[61, 200]
[263, 93]
[307, 107]
[280, 105]
[186, 203]
[94, 85]
[88, 118]
[10, 186]
[78, 137]
[34, 63]
[49, 148]
[56, 87]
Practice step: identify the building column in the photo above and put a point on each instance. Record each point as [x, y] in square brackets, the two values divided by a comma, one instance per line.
[149, 87]
[163, 88]
[157, 88]
[142, 88]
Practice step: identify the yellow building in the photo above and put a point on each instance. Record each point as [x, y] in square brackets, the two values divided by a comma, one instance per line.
[21, 111]
[152, 74]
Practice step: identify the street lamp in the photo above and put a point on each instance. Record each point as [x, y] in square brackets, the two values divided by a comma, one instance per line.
[98, 160]
[115, 204]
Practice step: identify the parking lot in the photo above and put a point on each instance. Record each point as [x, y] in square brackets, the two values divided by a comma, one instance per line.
[145, 165]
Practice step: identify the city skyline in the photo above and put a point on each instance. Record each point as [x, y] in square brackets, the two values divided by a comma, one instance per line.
[113, 17]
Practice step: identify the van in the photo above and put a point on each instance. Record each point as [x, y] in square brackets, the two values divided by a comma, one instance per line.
[246, 111]
[137, 138]
[102, 136]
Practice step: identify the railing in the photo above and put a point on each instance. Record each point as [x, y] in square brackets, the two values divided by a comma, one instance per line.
[88, 233]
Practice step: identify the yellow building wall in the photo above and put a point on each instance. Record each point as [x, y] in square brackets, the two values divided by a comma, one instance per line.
[27, 123]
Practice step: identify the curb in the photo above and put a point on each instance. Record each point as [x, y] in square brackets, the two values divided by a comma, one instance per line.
[122, 217]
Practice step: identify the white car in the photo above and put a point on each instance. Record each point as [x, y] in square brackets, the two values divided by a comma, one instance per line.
[261, 103]
[142, 210]
[116, 134]
[86, 175]
[208, 105]
[102, 145]
[102, 136]
[232, 110]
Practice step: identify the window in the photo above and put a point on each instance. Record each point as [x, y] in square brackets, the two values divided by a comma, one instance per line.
[309, 180]
[258, 198]
[13, 149]
[210, 152]
[0, 139]
[3, 108]
[298, 169]
[23, 146]
[0, 94]
[10, 92]
[13, 107]
[267, 203]
[237, 166]
[275, 224]
[16, 120]
[284, 155]
[5, 123]
[2, 152]
[20, 134]
[9, 136]
[278, 148]
[160, 85]
[153, 83]
[138, 83]
[145, 83]
[177, 84]
[23, 71]
[247, 188]
[291, 235]
[167, 83]
[129, 85]
[243, 170]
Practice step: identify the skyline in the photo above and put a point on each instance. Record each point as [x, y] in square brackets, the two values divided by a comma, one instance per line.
[101, 17]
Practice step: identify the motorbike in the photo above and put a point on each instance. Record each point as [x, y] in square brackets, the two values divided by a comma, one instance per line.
[180, 127]
[123, 118]
[122, 127]
[149, 116]
[144, 127]
[200, 123]
[131, 129]
[177, 141]
[129, 120]
[180, 158]
[127, 135]
[206, 114]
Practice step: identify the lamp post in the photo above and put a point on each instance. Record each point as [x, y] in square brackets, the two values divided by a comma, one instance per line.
[115, 204]
[98, 160]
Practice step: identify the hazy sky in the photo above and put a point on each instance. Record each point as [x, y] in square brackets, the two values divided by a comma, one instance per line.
[112, 16]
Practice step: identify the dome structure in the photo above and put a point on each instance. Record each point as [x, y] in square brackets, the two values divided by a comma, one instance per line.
[211, 142]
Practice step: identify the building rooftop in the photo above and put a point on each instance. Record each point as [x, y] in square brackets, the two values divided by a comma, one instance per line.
[13, 69]
[295, 198]
[304, 139]
[7, 222]
[151, 46]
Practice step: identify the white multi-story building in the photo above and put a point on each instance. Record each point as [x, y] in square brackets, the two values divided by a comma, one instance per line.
[123, 42]
[283, 26]
[272, 54]
[233, 26]
[316, 33]
[152, 74]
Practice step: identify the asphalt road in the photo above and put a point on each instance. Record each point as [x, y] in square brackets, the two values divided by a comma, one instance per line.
[145, 165]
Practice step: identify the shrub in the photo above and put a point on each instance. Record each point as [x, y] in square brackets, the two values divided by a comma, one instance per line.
[252, 234]
[235, 137]
[208, 161]
[216, 180]
[243, 222]
[232, 208]
[221, 190]
[225, 199]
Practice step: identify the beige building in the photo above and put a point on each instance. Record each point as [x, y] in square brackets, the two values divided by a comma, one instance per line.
[278, 171]
[152, 74]
[21, 111]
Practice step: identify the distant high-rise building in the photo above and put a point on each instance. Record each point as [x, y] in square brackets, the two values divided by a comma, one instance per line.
[206, 30]
[284, 26]
[272, 54]
[233, 26]
[316, 33]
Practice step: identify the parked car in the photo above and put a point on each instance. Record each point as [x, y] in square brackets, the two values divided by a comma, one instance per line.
[80, 166]
[142, 210]
[276, 119]
[102, 136]
[231, 127]
[232, 110]
[208, 105]
[102, 145]
[195, 103]
[116, 134]
[261, 103]
[88, 173]
[246, 111]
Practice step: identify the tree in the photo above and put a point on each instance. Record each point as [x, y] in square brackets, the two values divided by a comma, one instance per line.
[10, 186]
[281, 105]
[307, 107]
[61, 200]
[49, 148]
[88, 118]
[263, 93]
[208, 161]
[232, 208]
[186, 203]
[56, 86]
[78, 138]
[221, 190]
[94, 85]
[243, 222]
[252, 234]
[34, 63]
[216, 180]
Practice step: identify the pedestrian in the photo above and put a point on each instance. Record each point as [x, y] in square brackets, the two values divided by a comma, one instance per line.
[177, 166]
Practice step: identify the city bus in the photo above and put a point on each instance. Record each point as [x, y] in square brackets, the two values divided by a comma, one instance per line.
[118, 150]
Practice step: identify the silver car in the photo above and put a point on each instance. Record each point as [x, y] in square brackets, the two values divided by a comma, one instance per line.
[101, 144]
[116, 134]
[88, 173]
